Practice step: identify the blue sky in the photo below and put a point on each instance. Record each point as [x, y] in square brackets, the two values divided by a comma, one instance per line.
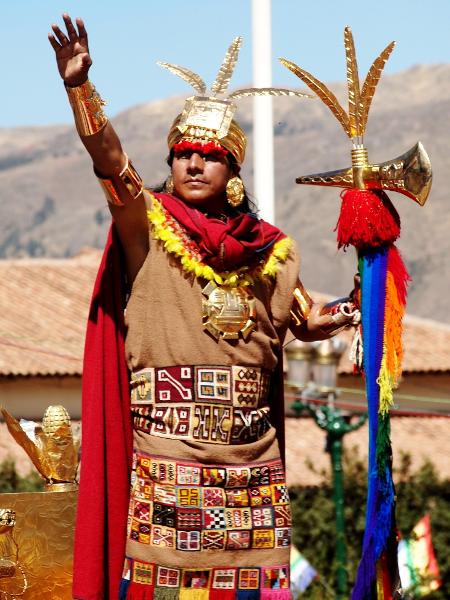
[128, 37]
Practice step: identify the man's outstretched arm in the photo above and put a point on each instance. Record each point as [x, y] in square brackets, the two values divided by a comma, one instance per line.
[101, 141]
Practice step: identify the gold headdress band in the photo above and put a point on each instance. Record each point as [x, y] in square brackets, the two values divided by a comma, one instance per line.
[210, 119]
[409, 174]
[234, 141]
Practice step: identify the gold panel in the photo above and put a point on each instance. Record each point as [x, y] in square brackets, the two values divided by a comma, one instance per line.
[228, 312]
[44, 535]
[207, 113]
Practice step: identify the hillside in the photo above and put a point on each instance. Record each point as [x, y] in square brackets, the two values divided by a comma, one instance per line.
[51, 205]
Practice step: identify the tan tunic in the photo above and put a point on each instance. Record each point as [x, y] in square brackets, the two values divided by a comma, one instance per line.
[209, 505]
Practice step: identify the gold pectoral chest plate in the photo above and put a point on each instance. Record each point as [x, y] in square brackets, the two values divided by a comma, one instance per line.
[228, 312]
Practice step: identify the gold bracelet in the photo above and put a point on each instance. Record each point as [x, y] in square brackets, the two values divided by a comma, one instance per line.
[87, 106]
[301, 306]
[110, 190]
[130, 178]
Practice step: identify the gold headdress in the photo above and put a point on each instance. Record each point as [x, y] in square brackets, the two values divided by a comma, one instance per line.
[207, 118]
[409, 174]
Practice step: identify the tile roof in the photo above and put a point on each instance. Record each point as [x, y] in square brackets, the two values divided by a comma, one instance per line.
[421, 437]
[426, 344]
[44, 304]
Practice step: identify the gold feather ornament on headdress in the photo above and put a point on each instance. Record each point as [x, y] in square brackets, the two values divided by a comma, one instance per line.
[210, 119]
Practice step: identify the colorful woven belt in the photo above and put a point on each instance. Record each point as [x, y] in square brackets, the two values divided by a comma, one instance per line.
[215, 404]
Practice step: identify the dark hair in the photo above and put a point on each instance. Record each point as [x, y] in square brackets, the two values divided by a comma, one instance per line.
[247, 205]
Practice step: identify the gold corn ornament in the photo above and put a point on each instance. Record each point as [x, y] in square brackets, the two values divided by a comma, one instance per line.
[36, 528]
[54, 452]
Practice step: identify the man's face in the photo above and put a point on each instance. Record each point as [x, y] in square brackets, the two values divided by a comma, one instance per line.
[201, 178]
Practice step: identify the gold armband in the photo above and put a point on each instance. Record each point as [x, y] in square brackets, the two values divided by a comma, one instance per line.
[87, 107]
[130, 178]
[301, 306]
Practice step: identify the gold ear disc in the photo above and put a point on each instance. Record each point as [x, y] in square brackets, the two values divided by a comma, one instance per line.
[235, 191]
[168, 185]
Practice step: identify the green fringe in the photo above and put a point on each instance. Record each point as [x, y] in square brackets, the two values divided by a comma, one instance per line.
[160, 593]
[360, 266]
[384, 452]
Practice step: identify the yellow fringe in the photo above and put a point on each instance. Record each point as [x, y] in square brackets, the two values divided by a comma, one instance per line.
[380, 586]
[386, 385]
[162, 231]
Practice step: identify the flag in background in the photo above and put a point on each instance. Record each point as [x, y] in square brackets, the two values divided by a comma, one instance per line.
[417, 562]
[302, 573]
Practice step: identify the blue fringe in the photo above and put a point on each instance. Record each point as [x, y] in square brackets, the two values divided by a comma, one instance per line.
[385, 510]
[367, 575]
[123, 589]
[373, 293]
[379, 493]
[248, 595]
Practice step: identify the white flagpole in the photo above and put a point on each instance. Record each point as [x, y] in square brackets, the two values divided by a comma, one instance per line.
[263, 163]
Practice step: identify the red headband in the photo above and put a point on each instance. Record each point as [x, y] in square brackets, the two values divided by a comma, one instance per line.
[200, 147]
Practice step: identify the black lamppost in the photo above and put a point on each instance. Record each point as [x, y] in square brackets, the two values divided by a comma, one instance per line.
[312, 373]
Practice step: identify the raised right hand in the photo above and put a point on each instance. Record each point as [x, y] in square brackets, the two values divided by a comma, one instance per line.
[72, 51]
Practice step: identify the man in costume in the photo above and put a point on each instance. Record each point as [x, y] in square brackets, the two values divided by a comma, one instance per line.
[212, 291]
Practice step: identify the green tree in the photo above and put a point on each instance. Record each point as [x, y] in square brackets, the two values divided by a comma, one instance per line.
[417, 493]
[11, 481]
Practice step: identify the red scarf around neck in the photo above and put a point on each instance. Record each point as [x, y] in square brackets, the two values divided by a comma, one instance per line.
[223, 245]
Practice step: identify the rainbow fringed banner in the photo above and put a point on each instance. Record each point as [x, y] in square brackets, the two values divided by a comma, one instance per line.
[369, 222]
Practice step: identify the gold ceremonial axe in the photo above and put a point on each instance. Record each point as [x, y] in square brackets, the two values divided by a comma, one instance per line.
[409, 174]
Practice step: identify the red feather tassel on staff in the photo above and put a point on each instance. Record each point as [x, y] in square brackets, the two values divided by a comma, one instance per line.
[368, 219]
